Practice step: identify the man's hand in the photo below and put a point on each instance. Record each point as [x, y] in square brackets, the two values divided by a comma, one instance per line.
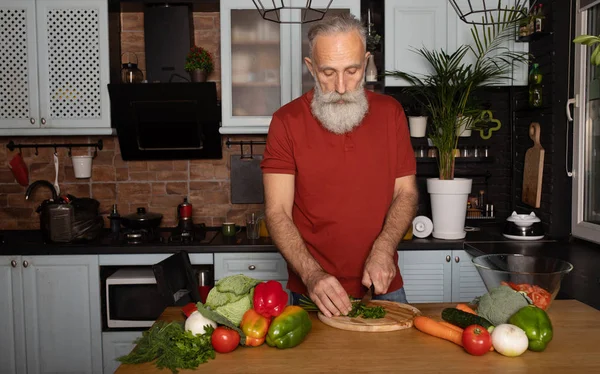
[380, 268]
[327, 293]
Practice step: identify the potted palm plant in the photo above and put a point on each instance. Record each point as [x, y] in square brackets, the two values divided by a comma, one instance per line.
[446, 94]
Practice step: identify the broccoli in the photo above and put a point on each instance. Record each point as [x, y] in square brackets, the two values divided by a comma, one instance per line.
[500, 303]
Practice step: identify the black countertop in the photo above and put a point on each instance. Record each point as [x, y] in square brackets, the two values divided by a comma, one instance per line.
[583, 283]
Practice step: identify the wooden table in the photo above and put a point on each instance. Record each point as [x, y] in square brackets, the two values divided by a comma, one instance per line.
[574, 349]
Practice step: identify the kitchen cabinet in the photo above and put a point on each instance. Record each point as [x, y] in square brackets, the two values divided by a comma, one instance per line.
[56, 314]
[262, 62]
[12, 328]
[433, 24]
[54, 67]
[115, 345]
[439, 276]
[263, 266]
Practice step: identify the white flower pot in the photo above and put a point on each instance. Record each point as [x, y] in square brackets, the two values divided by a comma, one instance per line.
[464, 128]
[417, 126]
[449, 206]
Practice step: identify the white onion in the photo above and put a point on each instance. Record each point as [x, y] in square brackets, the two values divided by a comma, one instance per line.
[196, 322]
[509, 340]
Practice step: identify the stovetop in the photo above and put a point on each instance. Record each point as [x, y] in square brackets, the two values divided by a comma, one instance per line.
[163, 236]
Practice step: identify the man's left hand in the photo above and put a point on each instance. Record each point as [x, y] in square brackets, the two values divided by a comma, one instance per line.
[380, 269]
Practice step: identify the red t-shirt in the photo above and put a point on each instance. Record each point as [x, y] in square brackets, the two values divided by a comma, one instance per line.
[344, 184]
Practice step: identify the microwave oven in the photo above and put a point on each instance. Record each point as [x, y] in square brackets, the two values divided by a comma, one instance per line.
[132, 298]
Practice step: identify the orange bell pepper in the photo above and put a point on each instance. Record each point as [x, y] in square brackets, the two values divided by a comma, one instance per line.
[255, 327]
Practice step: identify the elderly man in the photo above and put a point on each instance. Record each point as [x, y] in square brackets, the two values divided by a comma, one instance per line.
[339, 177]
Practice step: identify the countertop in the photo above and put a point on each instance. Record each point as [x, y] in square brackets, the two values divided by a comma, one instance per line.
[30, 242]
[574, 349]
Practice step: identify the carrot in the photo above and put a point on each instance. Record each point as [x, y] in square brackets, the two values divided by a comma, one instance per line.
[434, 328]
[465, 308]
[449, 325]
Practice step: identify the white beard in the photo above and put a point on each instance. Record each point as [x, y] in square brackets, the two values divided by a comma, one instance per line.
[339, 118]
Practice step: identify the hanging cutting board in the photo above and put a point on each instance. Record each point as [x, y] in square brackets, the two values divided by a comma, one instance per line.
[246, 180]
[398, 317]
[533, 169]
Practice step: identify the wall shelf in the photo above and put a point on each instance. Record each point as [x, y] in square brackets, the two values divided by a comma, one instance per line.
[533, 37]
[459, 160]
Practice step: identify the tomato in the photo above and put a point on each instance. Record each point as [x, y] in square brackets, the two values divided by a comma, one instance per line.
[539, 296]
[476, 340]
[224, 340]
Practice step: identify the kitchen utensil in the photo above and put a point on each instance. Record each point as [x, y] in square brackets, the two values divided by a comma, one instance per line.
[184, 210]
[523, 227]
[82, 166]
[533, 169]
[368, 296]
[141, 219]
[19, 169]
[398, 317]
[422, 227]
[544, 272]
[253, 225]
[56, 187]
[246, 180]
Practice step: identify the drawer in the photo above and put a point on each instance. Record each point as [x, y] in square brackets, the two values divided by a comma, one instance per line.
[263, 266]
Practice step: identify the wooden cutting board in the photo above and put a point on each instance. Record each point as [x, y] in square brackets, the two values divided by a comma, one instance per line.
[533, 169]
[399, 316]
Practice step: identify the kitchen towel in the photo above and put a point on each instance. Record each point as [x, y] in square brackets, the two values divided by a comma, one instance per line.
[246, 180]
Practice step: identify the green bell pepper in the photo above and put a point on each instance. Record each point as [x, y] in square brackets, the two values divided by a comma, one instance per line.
[536, 324]
[289, 328]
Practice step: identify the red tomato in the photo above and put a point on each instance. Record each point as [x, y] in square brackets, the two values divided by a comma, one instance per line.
[224, 340]
[476, 340]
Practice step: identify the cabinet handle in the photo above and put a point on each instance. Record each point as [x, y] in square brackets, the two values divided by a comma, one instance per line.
[13, 263]
[457, 259]
[32, 121]
[448, 258]
[251, 267]
[43, 121]
[25, 264]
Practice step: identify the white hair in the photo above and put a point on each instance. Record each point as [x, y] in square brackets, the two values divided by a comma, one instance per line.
[342, 23]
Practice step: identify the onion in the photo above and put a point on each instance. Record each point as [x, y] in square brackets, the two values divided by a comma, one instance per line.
[196, 322]
[509, 340]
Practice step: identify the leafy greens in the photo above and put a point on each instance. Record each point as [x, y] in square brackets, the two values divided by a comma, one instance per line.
[172, 347]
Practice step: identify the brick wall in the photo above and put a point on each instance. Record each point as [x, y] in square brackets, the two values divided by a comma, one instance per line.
[157, 185]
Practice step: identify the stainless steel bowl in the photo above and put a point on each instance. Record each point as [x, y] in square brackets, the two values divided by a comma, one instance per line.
[534, 230]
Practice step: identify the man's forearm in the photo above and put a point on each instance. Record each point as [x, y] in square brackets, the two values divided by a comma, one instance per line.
[288, 240]
[399, 218]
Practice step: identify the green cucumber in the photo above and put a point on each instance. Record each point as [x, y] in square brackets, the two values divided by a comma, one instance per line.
[463, 319]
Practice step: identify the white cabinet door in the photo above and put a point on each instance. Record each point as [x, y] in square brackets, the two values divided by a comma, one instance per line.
[19, 106]
[115, 345]
[427, 276]
[262, 61]
[62, 314]
[255, 66]
[462, 30]
[12, 330]
[466, 281]
[411, 25]
[264, 266]
[73, 61]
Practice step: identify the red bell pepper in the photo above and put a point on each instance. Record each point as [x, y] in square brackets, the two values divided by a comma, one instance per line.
[270, 299]
[189, 309]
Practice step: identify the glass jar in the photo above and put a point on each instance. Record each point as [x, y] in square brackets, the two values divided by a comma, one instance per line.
[130, 73]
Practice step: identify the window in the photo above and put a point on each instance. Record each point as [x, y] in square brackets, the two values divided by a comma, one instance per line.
[586, 132]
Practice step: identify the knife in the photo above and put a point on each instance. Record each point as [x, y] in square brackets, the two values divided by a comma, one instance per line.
[365, 300]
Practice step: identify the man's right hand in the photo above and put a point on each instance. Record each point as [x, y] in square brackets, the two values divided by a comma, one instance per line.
[328, 294]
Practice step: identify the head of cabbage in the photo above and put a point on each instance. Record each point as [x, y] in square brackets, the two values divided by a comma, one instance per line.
[232, 296]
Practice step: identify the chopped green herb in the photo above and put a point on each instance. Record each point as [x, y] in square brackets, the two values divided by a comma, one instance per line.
[172, 347]
[361, 310]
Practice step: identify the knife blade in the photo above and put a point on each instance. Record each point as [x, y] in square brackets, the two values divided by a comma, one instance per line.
[368, 296]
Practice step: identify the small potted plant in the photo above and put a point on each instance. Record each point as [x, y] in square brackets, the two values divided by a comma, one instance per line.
[199, 64]
[417, 119]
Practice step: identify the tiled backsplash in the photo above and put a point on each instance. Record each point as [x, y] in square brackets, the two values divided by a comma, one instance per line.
[157, 185]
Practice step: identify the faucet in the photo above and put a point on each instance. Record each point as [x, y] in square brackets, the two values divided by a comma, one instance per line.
[36, 184]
